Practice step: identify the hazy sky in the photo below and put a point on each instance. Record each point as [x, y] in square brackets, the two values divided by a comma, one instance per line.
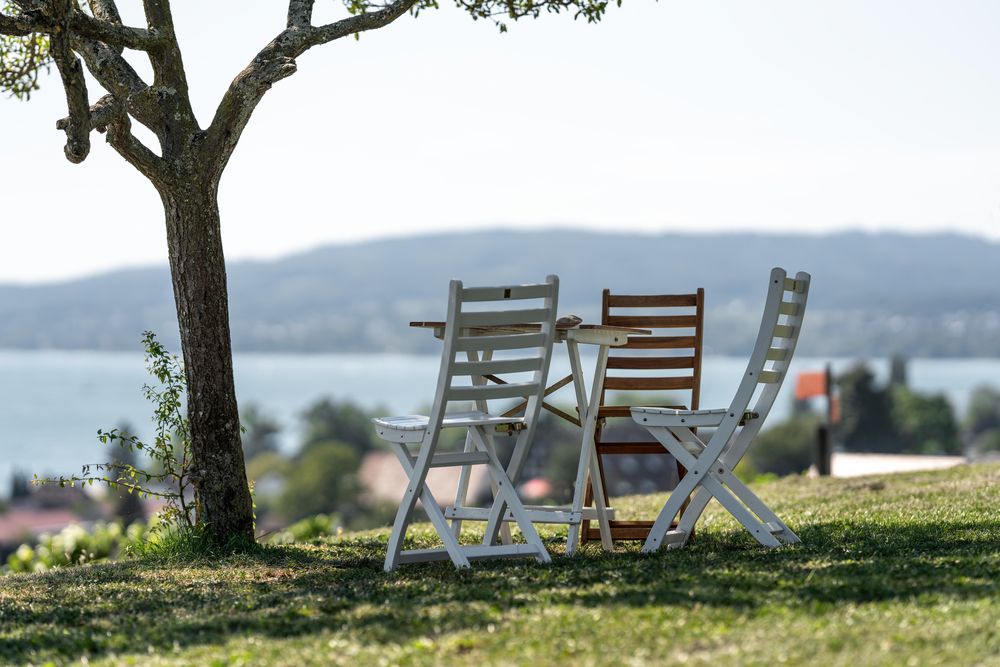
[770, 115]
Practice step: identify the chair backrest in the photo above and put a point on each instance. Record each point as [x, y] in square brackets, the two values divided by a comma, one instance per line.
[478, 326]
[772, 354]
[675, 347]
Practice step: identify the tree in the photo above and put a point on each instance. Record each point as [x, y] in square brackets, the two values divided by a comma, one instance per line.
[866, 423]
[188, 167]
[260, 433]
[925, 424]
[322, 479]
[343, 421]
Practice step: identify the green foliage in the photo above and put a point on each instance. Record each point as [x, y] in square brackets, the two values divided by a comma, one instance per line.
[175, 544]
[259, 432]
[866, 423]
[988, 442]
[893, 419]
[983, 413]
[785, 448]
[308, 529]
[22, 59]
[340, 421]
[75, 545]
[925, 424]
[170, 451]
[322, 479]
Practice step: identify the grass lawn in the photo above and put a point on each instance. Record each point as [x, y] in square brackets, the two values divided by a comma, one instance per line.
[893, 570]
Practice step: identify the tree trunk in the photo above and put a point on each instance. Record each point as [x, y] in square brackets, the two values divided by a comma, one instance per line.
[198, 272]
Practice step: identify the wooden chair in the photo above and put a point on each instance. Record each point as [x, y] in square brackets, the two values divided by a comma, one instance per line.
[677, 321]
[710, 464]
[469, 353]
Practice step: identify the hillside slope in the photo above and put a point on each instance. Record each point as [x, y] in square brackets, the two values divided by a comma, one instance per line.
[893, 570]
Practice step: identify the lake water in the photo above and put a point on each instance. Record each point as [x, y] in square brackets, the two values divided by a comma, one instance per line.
[53, 402]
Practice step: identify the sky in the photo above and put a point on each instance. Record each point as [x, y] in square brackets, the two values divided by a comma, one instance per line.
[778, 115]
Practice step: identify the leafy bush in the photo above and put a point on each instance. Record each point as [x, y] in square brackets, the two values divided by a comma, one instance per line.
[74, 545]
[308, 529]
[170, 451]
[785, 448]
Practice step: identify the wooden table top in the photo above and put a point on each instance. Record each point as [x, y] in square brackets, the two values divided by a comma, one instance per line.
[528, 328]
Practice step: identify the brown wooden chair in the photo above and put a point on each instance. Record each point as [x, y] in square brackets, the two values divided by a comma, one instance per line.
[675, 347]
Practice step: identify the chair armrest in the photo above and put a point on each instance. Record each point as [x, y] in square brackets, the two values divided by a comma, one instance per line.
[648, 416]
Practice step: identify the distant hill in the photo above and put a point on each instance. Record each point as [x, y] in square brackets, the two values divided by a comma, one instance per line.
[873, 294]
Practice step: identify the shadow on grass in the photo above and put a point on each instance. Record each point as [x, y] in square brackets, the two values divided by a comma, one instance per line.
[292, 591]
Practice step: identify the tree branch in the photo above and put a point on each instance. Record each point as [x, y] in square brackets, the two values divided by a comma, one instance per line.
[24, 23]
[57, 17]
[107, 10]
[114, 34]
[276, 61]
[109, 115]
[300, 13]
[169, 80]
[359, 23]
[71, 72]
[118, 77]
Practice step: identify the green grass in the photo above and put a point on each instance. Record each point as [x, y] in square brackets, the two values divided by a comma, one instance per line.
[893, 570]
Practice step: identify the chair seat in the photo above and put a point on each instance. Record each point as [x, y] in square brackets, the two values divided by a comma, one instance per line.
[648, 416]
[410, 428]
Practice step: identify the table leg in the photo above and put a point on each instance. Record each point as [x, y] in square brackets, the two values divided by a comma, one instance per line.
[588, 453]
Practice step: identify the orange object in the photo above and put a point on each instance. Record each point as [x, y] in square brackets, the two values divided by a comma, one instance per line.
[810, 384]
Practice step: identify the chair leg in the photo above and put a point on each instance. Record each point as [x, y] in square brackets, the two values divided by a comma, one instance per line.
[681, 471]
[754, 525]
[462, 494]
[666, 517]
[405, 513]
[756, 505]
[507, 495]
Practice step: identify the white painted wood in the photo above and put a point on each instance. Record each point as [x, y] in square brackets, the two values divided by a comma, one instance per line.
[516, 341]
[502, 317]
[479, 450]
[513, 292]
[710, 464]
[452, 459]
[492, 392]
[497, 367]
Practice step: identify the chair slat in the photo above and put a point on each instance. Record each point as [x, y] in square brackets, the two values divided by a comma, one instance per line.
[489, 392]
[653, 321]
[502, 317]
[650, 362]
[769, 377]
[652, 301]
[497, 366]
[512, 342]
[777, 354]
[506, 293]
[788, 308]
[683, 382]
[784, 331]
[659, 343]
[792, 285]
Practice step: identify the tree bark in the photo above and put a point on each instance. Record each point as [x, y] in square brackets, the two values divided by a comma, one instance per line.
[198, 273]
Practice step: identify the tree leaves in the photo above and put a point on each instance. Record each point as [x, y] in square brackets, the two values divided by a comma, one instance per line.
[22, 60]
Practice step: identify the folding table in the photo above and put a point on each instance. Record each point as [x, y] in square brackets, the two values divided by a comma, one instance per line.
[604, 337]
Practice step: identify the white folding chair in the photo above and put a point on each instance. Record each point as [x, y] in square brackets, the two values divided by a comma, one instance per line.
[710, 465]
[471, 336]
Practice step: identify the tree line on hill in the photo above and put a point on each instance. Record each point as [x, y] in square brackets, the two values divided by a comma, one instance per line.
[873, 294]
